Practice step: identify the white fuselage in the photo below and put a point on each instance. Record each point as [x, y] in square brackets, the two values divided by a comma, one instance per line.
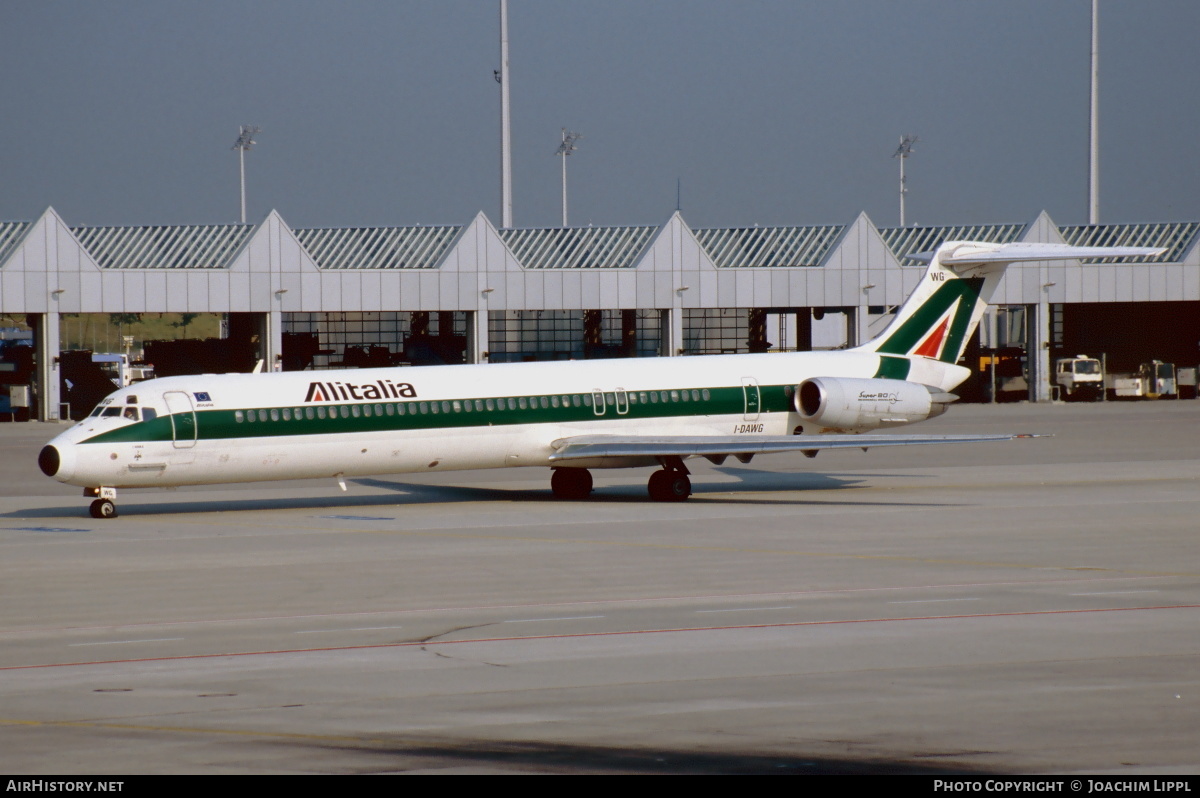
[244, 427]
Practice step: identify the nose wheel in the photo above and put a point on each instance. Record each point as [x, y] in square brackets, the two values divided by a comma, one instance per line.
[105, 504]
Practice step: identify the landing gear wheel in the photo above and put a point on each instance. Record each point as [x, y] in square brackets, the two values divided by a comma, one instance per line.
[571, 483]
[669, 486]
[103, 508]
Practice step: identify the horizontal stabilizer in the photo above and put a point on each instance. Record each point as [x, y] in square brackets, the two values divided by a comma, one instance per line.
[586, 447]
[968, 253]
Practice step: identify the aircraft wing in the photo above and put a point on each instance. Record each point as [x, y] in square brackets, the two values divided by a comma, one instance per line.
[586, 447]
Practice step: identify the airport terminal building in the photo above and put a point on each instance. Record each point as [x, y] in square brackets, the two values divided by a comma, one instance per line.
[296, 298]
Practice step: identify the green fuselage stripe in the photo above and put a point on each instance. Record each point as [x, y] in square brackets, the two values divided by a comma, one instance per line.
[893, 368]
[219, 424]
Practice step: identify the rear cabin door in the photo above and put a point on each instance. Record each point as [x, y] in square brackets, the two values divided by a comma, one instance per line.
[183, 418]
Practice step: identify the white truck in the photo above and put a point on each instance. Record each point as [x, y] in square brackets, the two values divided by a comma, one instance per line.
[117, 367]
[1080, 377]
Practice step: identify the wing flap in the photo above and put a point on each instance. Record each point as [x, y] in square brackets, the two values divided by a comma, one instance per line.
[583, 447]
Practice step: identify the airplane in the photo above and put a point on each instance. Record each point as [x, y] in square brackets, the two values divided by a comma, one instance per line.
[570, 416]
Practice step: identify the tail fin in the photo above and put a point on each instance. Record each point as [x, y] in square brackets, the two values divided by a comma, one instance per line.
[940, 316]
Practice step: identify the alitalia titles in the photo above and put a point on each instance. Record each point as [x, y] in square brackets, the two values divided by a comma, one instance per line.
[349, 391]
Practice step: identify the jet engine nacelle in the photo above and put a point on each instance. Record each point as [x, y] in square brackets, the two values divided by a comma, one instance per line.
[858, 404]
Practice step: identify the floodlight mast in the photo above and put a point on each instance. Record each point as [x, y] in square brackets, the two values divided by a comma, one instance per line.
[566, 148]
[245, 141]
[1094, 125]
[505, 124]
[902, 152]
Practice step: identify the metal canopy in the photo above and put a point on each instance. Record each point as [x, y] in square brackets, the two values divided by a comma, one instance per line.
[176, 247]
[377, 247]
[1175, 236]
[904, 241]
[578, 247]
[748, 247]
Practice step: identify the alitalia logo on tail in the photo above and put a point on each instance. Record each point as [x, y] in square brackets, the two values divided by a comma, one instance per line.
[939, 326]
[934, 343]
[348, 391]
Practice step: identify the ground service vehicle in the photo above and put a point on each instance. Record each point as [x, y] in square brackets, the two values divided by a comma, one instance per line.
[1079, 378]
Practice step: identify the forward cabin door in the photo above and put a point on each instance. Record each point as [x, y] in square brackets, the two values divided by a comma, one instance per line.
[753, 399]
[183, 418]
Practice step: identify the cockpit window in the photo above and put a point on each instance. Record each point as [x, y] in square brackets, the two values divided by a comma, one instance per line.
[99, 409]
[149, 414]
[131, 413]
[112, 412]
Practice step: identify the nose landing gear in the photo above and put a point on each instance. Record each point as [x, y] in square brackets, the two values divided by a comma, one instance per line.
[104, 506]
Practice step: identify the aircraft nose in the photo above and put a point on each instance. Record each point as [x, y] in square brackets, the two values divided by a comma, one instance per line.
[53, 463]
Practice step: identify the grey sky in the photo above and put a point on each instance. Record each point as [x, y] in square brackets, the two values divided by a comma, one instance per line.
[770, 112]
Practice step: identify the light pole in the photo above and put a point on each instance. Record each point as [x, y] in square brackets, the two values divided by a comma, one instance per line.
[245, 141]
[505, 123]
[566, 148]
[902, 152]
[1094, 125]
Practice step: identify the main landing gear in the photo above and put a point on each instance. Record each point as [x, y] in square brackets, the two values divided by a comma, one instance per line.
[571, 483]
[671, 484]
[104, 506]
